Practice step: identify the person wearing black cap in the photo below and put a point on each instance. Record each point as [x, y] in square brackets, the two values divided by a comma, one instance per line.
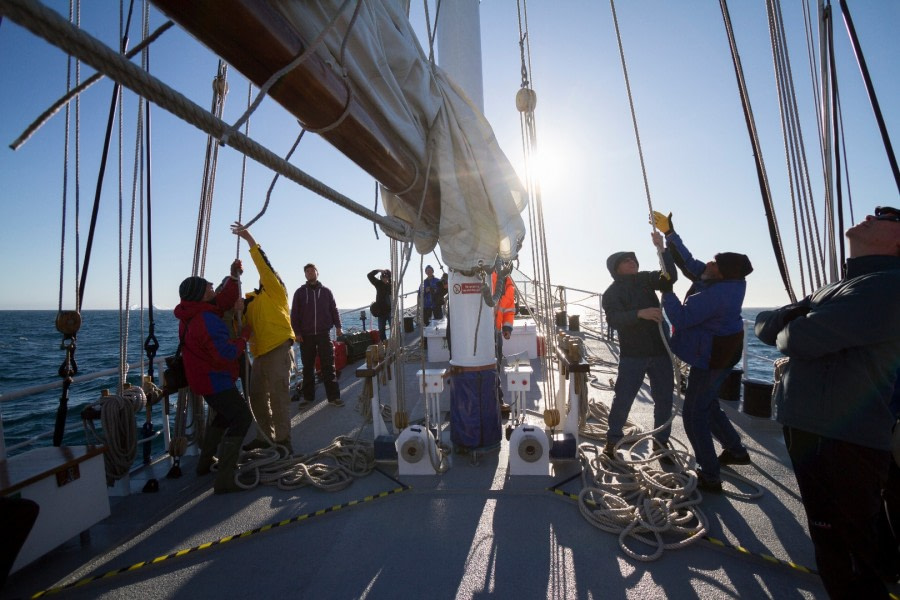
[632, 309]
[381, 308]
[211, 365]
[431, 297]
[707, 334]
[834, 401]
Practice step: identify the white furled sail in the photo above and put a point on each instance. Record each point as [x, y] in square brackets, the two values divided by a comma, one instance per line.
[472, 201]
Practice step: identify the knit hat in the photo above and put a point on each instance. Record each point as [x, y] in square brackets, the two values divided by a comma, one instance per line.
[733, 265]
[614, 260]
[193, 288]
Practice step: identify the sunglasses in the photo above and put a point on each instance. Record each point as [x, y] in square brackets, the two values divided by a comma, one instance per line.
[886, 213]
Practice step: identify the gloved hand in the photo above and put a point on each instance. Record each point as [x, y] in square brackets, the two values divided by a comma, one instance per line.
[664, 284]
[662, 222]
[801, 309]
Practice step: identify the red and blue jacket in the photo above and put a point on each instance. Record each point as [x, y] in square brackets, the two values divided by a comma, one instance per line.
[210, 353]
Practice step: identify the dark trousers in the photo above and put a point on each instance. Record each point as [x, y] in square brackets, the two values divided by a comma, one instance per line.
[231, 412]
[435, 312]
[840, 486]
[313, 345]
[889, 527]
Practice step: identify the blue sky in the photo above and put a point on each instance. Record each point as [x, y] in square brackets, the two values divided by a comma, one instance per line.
[698, 157]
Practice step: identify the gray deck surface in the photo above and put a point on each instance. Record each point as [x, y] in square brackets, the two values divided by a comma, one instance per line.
[473, 531]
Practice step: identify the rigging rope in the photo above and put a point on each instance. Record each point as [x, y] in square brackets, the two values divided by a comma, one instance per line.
[306, 53]
[47, 24]
[45, 116]
[757, 152]
[542, 311]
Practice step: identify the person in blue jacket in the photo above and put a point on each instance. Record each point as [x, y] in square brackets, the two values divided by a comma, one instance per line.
[834, 401]
[707, 334]
[431, 297]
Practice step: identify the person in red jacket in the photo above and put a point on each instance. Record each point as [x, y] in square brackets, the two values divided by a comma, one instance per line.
[211, 365]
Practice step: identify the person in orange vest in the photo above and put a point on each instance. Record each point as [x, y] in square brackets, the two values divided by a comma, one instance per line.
[505, 313]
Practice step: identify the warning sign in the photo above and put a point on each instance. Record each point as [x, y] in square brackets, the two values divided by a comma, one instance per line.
[467, 288]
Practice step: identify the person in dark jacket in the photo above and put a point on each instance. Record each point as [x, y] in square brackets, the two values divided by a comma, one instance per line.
[632, 309]
[843, 344]
[211, 365]
[707, 334]
[382, 299]
[431, 297]
[313, 314]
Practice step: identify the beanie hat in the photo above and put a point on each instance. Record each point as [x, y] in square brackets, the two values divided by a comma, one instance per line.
[193, 288]
[733, 265]
[614, 260]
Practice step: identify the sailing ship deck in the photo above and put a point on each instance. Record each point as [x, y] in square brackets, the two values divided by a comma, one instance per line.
[472, 531]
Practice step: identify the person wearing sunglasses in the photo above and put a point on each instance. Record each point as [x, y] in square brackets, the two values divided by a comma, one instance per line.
[843, 344]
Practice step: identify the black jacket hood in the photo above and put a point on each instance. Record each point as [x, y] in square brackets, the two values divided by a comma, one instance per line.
[614, 259]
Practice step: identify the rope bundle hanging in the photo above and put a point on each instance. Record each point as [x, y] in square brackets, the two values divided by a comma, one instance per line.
[119, 436]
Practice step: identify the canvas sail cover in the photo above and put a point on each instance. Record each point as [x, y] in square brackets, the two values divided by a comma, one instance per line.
[475, 215]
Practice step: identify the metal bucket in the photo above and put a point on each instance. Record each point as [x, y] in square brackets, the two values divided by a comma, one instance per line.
[758, 398]
[561, 319]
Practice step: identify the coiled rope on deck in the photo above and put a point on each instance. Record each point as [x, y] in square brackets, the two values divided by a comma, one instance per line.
[330, 469]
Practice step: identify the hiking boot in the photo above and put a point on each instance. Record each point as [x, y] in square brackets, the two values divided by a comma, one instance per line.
[713, 486]
[336, 402]
[209, 449]
[610, 450]
[286, 444]
[256, 444]
[731, 458]
[666, 460]
[225, 479]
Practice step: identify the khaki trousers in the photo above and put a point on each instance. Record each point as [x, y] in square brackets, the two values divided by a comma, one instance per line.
[270, 392]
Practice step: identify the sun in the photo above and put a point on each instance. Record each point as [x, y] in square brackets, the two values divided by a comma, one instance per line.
[546, 169]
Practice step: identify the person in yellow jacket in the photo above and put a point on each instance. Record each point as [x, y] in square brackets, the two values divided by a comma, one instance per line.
[268, 314]
[505, 312]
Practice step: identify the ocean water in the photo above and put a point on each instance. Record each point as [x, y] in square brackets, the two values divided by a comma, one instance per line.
[30, 355]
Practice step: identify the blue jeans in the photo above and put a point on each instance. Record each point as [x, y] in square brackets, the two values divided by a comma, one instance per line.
[704, 419]
[628, 382]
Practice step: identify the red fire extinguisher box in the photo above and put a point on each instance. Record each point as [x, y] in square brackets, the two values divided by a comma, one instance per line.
[340, 358]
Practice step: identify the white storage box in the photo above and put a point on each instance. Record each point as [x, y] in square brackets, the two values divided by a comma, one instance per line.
[436, 337]
[522, 339]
